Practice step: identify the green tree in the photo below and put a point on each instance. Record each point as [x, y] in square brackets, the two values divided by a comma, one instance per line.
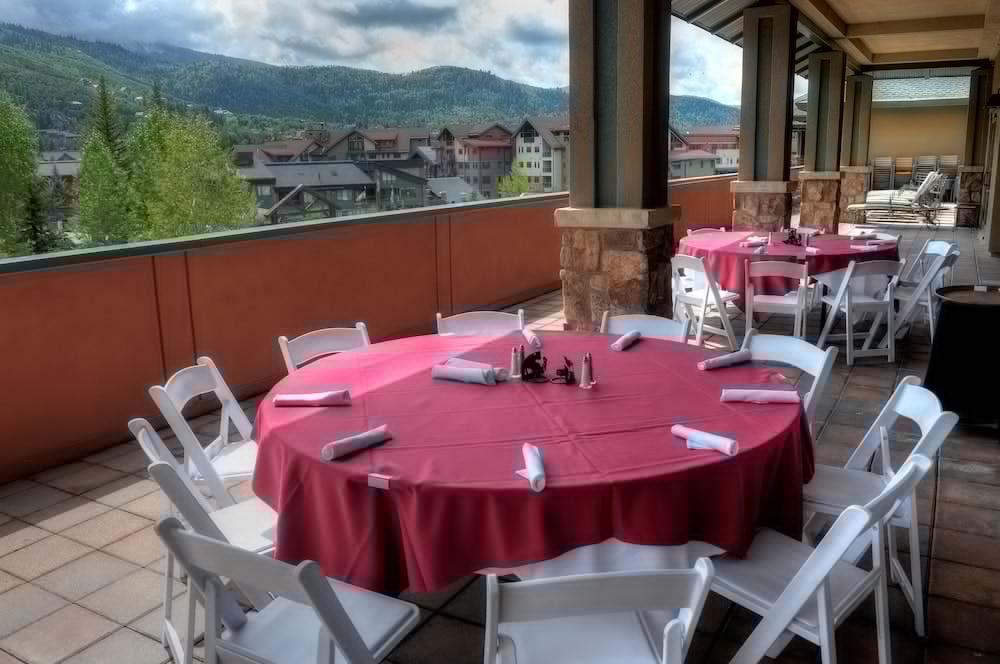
[186, 181]
[156, 96]
[514, 184]
[18, 147]
[106, 211]
[105, 121]
[36, 234]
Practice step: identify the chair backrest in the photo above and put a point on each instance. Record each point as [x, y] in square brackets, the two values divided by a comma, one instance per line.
[903, 165]
[932, 274]
[925, 186]
[614, 592]
[798, 353]
[695, 231]
[481, 323]
[302, 349]
[207, 561]
[813, 578]
[693, 268]
[949, 164]
[861, 271]
[150, 441]
[176, 393]
[786, 269]
[649, 326]
[917, 404]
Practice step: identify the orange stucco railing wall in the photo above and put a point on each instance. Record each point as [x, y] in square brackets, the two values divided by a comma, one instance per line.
[82, 338]
[81, 343]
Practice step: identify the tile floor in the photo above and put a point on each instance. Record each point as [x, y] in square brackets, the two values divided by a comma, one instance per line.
[80, 566]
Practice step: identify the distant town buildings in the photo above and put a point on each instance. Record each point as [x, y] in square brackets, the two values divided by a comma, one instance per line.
[478, 155]
[541, 152]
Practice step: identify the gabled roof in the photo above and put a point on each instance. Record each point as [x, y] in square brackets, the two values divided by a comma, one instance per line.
[424, 152]
[451, 189]
[317, 174]
[544, 126]
[463, 132]
[688, 155]
[370, 167]
[403, 136]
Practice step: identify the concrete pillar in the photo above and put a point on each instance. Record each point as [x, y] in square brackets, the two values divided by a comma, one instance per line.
[819, 181]
[854, 169]
[763, 197]
[617, 234]
[977, 128]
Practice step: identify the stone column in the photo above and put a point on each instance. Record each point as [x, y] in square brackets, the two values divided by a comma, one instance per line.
[617, 233]
[970, 195]
[854, 169]
[763, 192]
[819, 182]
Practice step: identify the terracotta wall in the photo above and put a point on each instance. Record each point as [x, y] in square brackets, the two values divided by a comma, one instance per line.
[80, 345]
[911, 132]
[705, 202]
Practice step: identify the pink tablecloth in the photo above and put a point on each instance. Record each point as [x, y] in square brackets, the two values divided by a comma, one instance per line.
[454, 504]
[726, 259]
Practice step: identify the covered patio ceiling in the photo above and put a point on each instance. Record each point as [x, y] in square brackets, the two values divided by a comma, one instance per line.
[875, 35]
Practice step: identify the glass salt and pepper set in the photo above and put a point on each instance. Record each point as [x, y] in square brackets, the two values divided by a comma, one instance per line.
[565, 376]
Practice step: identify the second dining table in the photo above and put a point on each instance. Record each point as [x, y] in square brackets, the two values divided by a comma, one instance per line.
[726, 259]
[442, 499]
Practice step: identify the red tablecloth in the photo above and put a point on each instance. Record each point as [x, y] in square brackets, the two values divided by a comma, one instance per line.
[726, 259]
[454, 504]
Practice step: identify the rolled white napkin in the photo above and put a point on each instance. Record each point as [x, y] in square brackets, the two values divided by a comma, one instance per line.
[626, 340]
[493, 374]
[534, 469]
[812, 250]
[726, 360]
[702, 440]
[464, 374]
[339, 448]
[865, 247]
[762, 395]
[753, 243]
[327, 398]
[532, 339]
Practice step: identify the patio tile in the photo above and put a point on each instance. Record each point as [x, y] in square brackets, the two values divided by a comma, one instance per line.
[46, 476]
[75, 627]
[971, 471]
[122, 491]
[967, 519]
[110, 453]
[124, 645]
[43, 556]
[35, 498]
[129, 597]
[15, 487]
[442, 639]
[969, 493]
[857, 644]
[66, 514]
[470, 604]
[133, 461]
[942, 653]
[8, 659]
[107, 528]
[149, 506]
[142, 547]
[973, 585]
[968, 625]
[16, 535]
[85, 575]
[966, 548]
[151, 624]
[24, 605]
[84, 479]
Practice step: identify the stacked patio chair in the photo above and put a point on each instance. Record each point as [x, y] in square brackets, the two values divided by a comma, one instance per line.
[882, 173]
[902, 171]
[924, 166]
[948, 167]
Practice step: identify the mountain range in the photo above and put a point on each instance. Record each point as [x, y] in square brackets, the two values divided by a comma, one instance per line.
[54, 76]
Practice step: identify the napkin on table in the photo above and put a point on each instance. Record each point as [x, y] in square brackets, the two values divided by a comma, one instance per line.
[865, 247]
[753, 243]
[467, 371]
[626, 340]
[759, 395]
[534, 469]
[344, 446]
[532, 339]
[702, 440]
[726, 360]
[327, 398]
[812, 250]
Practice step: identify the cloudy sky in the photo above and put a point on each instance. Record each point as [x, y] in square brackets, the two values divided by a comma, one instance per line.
[525, 40]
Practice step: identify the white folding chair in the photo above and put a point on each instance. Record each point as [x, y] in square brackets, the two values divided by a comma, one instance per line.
[649, 326]
[248, 525]
[918, 267]
[696, 231]
[481, 323]
[696, 296]
[833, 489]
[809, 592]
[307, 347]
[793, 303]
[863, 291]
[594, 618]
[912, 296]
[310, 620]
[222, 460]
[800, 354]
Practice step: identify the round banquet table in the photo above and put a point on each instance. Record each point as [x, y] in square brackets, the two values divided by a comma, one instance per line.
[726, 259]
[453, 504]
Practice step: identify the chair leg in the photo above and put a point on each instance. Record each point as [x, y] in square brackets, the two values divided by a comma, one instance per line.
[871, 333]
[778, 647]
[827, 328]
[916, 574]
[727, 325]
[168, 591]
[699, 329]
[749, 308]
[930, 316]
[849, 315]
[891, 332]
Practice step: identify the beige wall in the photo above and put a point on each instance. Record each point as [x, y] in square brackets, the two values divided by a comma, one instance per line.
[911, 132]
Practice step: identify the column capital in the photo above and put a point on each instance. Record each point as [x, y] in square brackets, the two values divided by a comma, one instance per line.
[622, 218]
[819, 175]
[762, 187]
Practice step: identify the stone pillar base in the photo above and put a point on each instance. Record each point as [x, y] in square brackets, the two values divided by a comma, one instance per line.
[820, 206]
[970, 195]
[762, 205]
[853, 188]
[614, 259]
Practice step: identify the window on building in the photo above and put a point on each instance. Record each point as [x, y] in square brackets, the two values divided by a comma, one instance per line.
[520, 164]
[528, 135]
[343, 194]
[546, 167]
[546, 150]
[263, 190]
[536, 148]
[547, 181]
[475, 179]
[356, 144]
[461, 151]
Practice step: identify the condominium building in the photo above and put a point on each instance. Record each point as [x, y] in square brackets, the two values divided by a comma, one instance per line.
[541, 153]
[480, 156]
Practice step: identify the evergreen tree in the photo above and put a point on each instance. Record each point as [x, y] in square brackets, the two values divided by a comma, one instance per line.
[106, 212]
[18, 150]
[37, 235]
[156, 97]
[514, 184]
[106, 122]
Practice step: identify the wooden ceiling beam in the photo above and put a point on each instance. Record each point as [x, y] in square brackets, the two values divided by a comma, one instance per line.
[925, 56]
[857, 49]
[827, 18]
[990, 43]
[939, 64]
[939, 24]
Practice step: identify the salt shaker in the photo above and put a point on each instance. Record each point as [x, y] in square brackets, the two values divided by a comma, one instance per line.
[515, 363]
[586, 380]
